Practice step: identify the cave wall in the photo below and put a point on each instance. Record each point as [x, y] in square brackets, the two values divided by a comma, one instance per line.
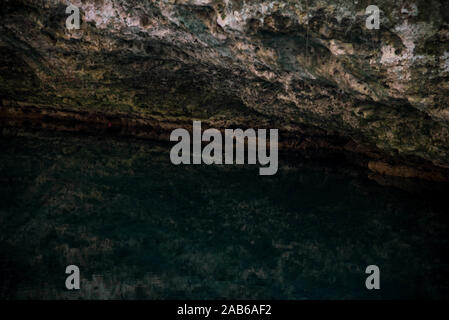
[309, 66]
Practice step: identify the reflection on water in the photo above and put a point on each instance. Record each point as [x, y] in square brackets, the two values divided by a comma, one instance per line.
[140, 227]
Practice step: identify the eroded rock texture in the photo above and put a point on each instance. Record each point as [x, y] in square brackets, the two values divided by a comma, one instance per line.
[302, 66]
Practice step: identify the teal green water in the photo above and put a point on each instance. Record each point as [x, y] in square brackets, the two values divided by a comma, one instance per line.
[139, 227]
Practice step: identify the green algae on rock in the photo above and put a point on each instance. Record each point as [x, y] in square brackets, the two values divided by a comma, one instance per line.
[296, 64]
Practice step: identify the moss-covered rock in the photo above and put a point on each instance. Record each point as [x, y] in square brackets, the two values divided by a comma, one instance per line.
[307, 63]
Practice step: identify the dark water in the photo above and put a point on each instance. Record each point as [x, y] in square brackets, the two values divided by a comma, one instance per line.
[140, 227]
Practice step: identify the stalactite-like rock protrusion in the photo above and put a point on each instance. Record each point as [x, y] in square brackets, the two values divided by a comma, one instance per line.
[307, 67]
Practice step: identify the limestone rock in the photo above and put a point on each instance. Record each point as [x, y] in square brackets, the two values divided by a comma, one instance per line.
[290, 64]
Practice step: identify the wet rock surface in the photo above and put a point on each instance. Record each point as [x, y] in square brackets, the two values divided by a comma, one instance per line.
[306, 67]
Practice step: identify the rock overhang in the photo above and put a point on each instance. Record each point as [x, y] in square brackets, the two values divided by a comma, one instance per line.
[292, 64]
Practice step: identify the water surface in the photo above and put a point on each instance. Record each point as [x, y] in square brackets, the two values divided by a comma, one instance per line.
[139, 227]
